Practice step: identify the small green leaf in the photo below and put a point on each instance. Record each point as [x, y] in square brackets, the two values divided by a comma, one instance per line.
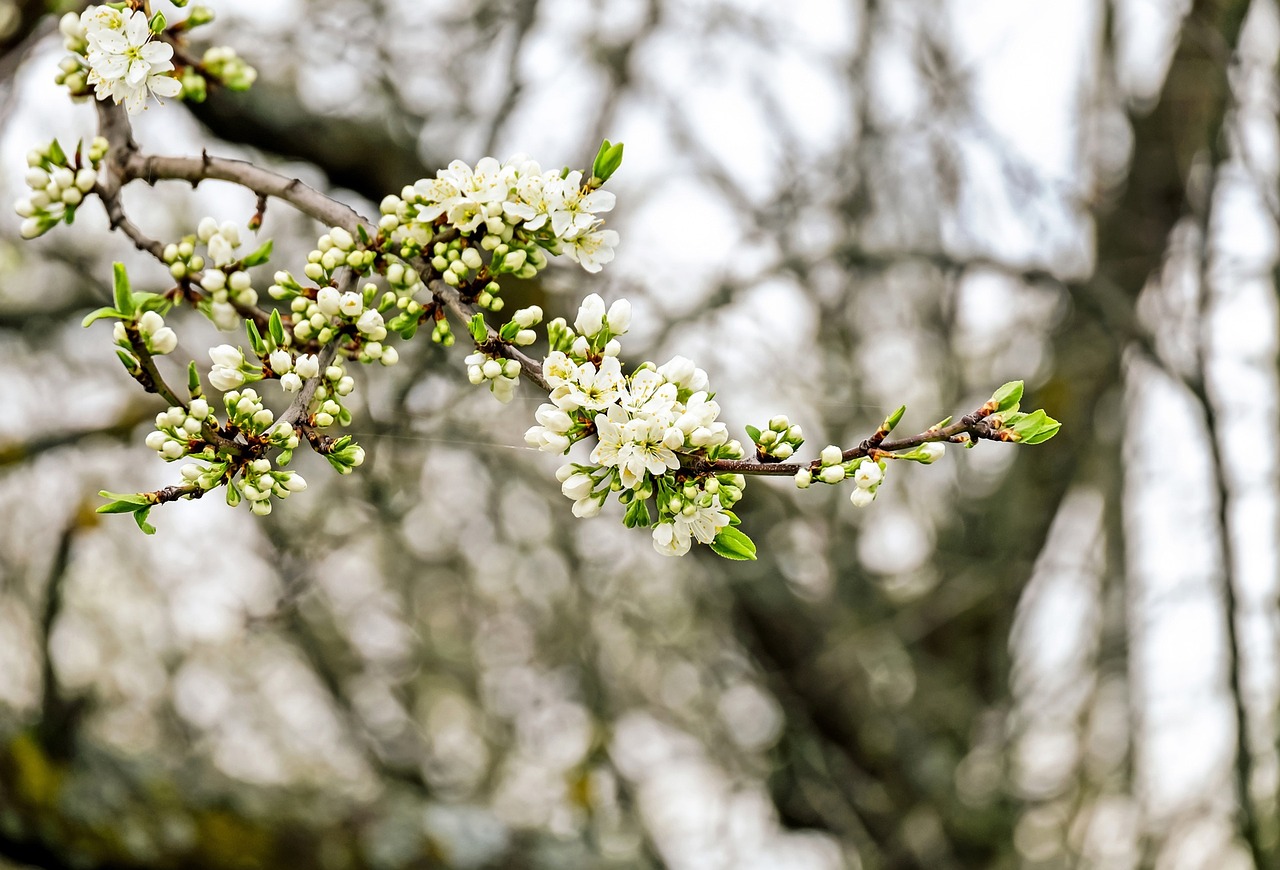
[479, 331]
[57, 156]
[140, 517]
[276, 327]
[129, 362]
[607, 161]
[1007, 397]
[122, 502]
[120, 289]
[152, 302]
[258, 257]
[193, 381]
[735, 545]
[362, 234]
[508, 330]
[891, 422]
[753, 433]
[255, 338]
[733, 518]
[99, 314]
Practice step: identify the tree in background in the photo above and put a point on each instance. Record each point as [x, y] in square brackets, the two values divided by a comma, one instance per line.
[423, 665]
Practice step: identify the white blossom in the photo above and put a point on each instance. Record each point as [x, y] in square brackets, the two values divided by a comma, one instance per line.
[307, 365]
[867, 474]
[591, 250]
[671, 539]
[125, 63]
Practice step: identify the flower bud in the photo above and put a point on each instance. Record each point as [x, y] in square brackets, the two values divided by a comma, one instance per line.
[831, 474]
[831, 455]
[619, 318]
[861, 497]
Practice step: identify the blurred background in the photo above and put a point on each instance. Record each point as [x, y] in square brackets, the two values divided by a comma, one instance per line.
[1017, 658]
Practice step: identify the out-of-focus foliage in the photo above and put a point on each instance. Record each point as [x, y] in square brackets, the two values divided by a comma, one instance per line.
[1005, 662]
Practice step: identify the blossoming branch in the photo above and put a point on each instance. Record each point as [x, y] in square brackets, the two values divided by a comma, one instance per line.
[437, 254]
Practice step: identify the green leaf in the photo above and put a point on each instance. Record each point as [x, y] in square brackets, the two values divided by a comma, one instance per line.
[255, 338]
[733, 518]
[1034, 428]
[362, 234]
[140, 517]
[193, 381]
[99, 314]
[120, 289]
[122, 502]
[479, 331]
[129, 362]
[508, 330]
[1007, 397]
[57, 156]
[607, 161]
[258, 257]
[152, 302]
[1047, 430]
[276, 326]
[893, 419]
[754, 433]
[735, 545]
[157, 25]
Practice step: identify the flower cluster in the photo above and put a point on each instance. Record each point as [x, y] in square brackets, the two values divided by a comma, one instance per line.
[779, 441]
[158, 338]
[327, 401]
[516, 208]
[58, 184]
[643, 422]
[499, 373]
[323, 313]
[867, 474]
[177, 431]
[114, 53]
[222, 63]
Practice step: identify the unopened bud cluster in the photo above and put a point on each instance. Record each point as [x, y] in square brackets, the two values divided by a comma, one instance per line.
[177, 432]
[158, 338]
[499, 373]
[779, 441]
[867, 474]
[58, 184]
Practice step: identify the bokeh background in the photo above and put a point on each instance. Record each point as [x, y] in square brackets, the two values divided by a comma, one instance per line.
[1017, 658]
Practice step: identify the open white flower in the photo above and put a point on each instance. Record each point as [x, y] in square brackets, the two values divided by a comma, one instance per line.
[591, 250]
[125, 63]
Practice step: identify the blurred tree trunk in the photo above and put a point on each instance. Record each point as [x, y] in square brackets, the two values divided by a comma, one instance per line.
[962, 665]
